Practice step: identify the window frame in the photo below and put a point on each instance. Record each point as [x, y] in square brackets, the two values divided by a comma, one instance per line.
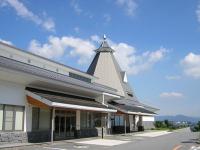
[14, 117]
[38, 123]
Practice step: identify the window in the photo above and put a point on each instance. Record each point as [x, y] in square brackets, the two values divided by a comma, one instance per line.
[86, 119]
[19, 112]
[40, 119]
[97, 119]
[44, 120]
[119, 120]
[1, 117]
[35, 118]
[11, 118]
[79, 77]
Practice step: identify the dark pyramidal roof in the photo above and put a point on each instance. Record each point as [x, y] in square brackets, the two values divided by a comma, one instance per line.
[129, 97]
[105, 48]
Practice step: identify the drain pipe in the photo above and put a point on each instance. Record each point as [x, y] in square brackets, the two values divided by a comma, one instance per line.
[125, 124]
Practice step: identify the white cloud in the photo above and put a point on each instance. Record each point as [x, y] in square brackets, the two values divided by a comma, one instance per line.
[131, 61]
[96, 38]
[173, 77]
[57, 47]
[6, 42]
[135, 63]
[191, 65]
[22, 11]
[82, 49]
[172, 95]
[198, 12]
[128, 5]
[76, 7]
[79, 11]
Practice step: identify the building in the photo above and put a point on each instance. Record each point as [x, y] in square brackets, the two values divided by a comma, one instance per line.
[42, 100]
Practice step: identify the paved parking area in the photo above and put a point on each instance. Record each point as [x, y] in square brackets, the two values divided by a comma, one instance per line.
[153, 134]
[104, 142]
[178, 140]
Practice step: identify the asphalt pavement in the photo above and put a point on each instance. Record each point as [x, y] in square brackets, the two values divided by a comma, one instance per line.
[182, 139]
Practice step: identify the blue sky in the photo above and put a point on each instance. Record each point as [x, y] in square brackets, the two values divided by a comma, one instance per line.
[156, 42]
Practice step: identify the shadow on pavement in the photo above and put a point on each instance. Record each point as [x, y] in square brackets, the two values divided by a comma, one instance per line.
[191, 141]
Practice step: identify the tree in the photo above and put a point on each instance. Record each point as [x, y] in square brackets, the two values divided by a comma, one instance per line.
[166, 123]
[198, 124]
[158, 124]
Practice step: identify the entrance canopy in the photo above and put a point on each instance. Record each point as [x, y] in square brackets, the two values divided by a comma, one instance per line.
[44, 98]
[131, 109]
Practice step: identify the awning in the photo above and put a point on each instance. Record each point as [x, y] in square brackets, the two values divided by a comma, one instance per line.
[59, 100]
[131, 109]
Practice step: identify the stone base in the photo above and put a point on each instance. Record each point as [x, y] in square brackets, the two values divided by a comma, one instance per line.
[120, 130]
[13, 137]
[39, 136]
[77, 134]
[45, 136]
[92, 132]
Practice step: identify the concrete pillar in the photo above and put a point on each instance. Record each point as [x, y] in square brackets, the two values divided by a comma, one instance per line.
[140, 120]
[52, 123]
[109, 121]
[136, 121]
[131, 121]
[78, 119]
[124, 123]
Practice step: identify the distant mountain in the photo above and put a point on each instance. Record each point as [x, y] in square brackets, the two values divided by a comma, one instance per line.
[178, 118]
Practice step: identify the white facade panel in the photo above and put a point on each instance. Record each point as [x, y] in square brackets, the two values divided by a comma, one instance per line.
[12, 93]
[148, 118]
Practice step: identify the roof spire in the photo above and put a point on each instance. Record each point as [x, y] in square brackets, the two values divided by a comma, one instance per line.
[104, 37]
[104, 47]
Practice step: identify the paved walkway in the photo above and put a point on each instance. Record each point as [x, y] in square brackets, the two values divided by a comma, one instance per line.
[153, 134]
[104, 142]
[177, 140]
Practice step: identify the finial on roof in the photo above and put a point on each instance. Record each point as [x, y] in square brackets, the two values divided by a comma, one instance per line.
[104, 46]
[104, 37]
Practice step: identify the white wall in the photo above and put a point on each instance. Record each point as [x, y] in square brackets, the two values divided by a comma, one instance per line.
[148, 118]
[12, 93]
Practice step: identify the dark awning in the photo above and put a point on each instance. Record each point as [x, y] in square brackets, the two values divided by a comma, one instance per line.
[131, 109]
[54, 99]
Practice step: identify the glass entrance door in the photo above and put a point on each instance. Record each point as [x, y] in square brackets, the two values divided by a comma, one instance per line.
[70, 124]
[65, 124]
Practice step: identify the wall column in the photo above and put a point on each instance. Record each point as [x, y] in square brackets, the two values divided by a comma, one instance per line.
[109, 123]
[78, 119]
[140, 120]
[52, 123]
[131, 122]
[78, 123]
[124, 123]
[136, 122]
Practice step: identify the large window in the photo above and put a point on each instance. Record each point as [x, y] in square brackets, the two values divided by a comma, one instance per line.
[11, 118]
[40, 119]
[87, 119]
[119, 120]
[1, 117]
